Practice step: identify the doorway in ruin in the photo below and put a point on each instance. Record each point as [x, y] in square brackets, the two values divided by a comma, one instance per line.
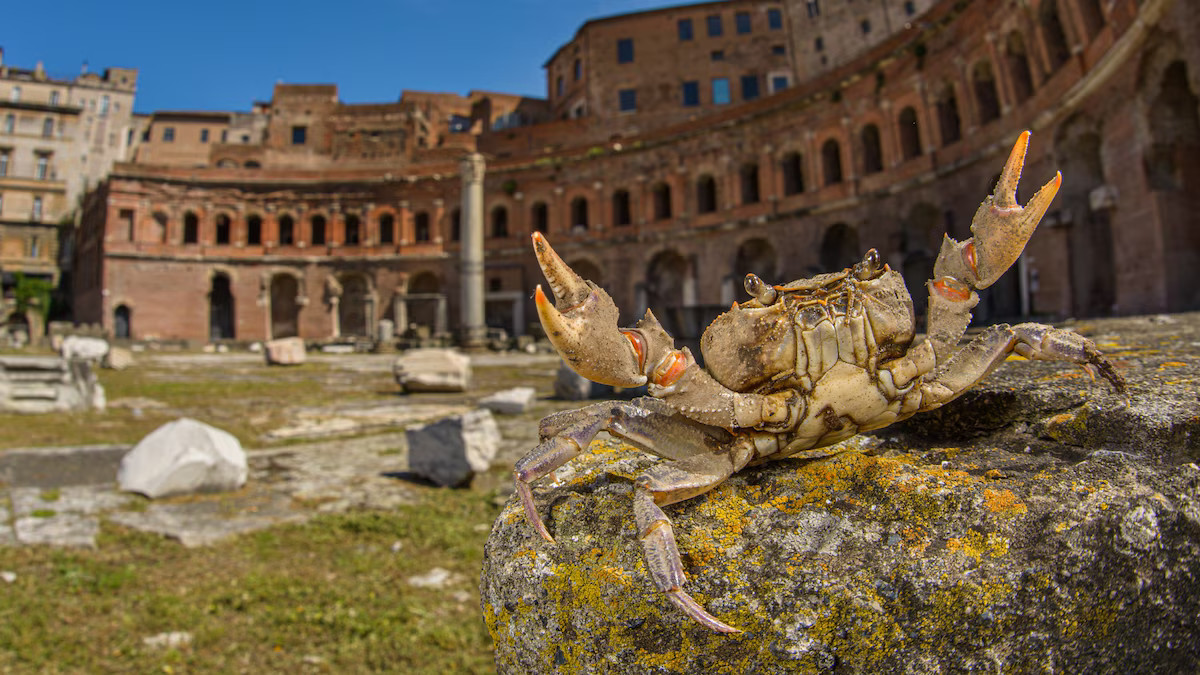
[1091, 260]
[423, 308]
[839, 248]
[285, 308]
[918, 249]
[667, 277]
[354, 316]
[122, 328]
[221, 308]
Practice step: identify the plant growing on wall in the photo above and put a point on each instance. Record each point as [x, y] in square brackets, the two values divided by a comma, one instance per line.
[32, 295]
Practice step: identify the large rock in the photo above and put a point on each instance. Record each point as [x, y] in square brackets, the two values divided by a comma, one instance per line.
[1037, 521]
[285, 352]
[117, 358]
[84, 348]
[183, 457]
[513, 401]
[451, 451]
[433, 370]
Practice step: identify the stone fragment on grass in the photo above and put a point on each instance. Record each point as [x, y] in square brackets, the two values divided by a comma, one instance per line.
[83, 348]
[433, 370]
[436, 578]
[513, 401]
[169, 640]
[51, 528]
[183, 457]
[8, 576]
[117, 358]
[451, 451]
[285, 352]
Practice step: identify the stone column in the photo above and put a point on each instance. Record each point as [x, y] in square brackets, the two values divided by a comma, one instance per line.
[472, 329]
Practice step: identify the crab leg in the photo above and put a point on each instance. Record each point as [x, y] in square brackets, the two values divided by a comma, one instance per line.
[1001, 228]
[702, 457]
[1031, 340]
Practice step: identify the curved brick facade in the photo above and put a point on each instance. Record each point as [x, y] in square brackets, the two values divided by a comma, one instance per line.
[889, 150]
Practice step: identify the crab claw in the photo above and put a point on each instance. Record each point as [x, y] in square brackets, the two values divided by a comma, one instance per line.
[1001, 226]
[582, 324]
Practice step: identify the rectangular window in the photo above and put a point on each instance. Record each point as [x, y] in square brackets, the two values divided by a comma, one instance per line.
[578, 69]
[910, 8]
[48, 127]
[224, 135]
[204, 135]
[814, 9]
[717, 55]
[4, 163]
[54, 98]
[779, 83]
[104, 103]
[774, 19]
[9, 123]
[714, 25]
[691, 94]
[778, 50]
[625, 50]
[819, 44]
[15, 94]
[741, 22]
[168, 134]
[627, 100]
[720, 90]
[866, 26]
[35, 247]
[685, 30]
[37, 208]
[42, 167]
[299, 135]
[749, 87]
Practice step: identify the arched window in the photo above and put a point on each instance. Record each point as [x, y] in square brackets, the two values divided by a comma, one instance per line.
[540, 217]
[579, 213]
[254, 229]
[499, 222]
[793, 173]
[353, 230]
[622, 214]
[662, 201]
[387, 228]
[1018, 67]
[1055, 39]
[191, 228]
[224, 225]
[421, 226]
[318, 230]
[456, 224]
[287, 230]
[872, 149]
[948, 120]
[831, 162]
[986, 97]
[910, 133]
[706, 194]
[749, 180]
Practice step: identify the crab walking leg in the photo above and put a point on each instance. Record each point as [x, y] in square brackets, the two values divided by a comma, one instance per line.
[667, 484]
[552, 453]
[1031, 340]
[1001, 228]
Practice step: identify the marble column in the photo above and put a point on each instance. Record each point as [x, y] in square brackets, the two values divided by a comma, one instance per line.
[472, 329]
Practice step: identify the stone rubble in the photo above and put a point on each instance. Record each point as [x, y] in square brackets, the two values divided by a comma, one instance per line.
[513, 401]
[184, 457]
[285, 352]
[451, 451]
[433, 370]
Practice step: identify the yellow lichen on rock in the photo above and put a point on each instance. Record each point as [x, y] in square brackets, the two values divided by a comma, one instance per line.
[976, 545]
[1003, 502]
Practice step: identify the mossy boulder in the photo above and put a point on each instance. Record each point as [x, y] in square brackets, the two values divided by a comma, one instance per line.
[1063, 537]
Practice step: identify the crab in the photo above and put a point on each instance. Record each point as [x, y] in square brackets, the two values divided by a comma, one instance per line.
[789, 373]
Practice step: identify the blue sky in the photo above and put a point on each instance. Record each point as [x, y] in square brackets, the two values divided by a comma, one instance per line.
[223, 55]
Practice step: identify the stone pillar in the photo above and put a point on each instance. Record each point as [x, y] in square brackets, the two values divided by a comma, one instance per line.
[472, 329]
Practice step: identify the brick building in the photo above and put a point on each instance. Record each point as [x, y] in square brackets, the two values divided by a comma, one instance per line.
[58, 138]
[355, 219]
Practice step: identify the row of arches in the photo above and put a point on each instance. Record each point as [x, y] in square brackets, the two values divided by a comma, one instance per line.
[285, 229]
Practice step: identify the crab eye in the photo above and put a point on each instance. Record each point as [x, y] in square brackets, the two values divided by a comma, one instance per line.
[870, 267]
